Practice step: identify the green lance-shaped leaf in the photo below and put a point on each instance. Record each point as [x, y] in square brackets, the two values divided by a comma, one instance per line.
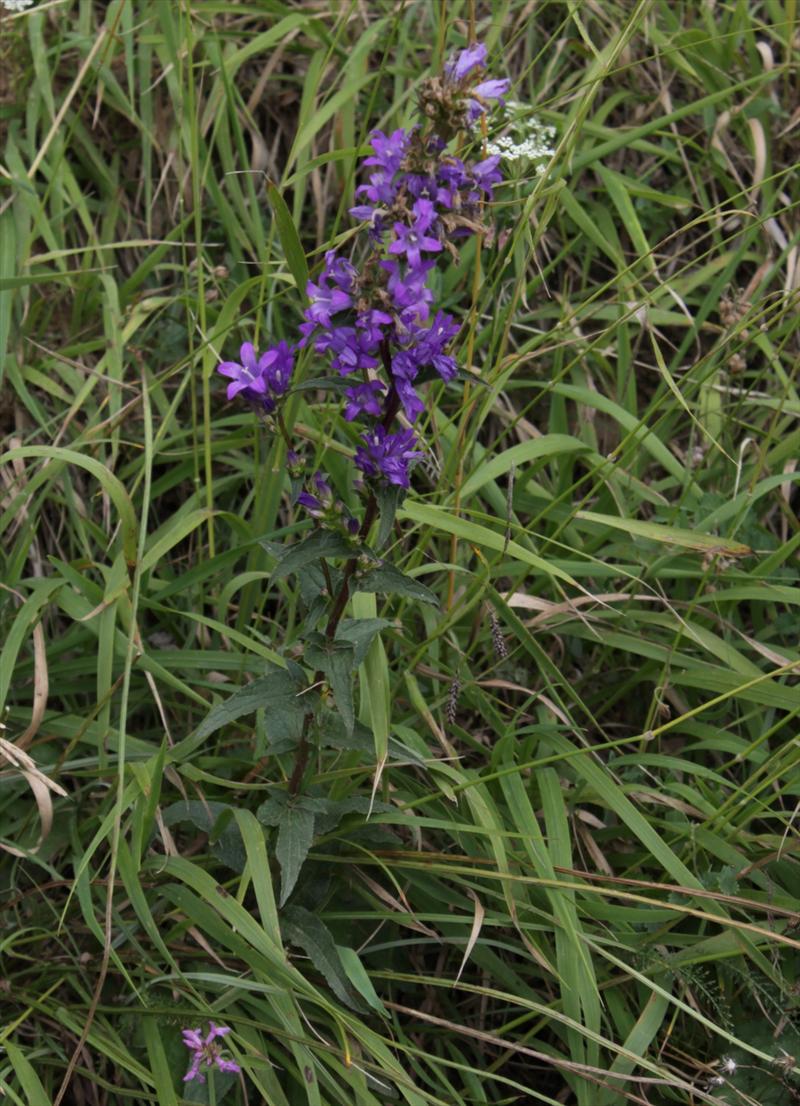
[295, 834]
[302, 928]
[337, 660]
[374, 677]
[389, 497]
[58, 457]
[294, 819]
[35, 1094]
[287, 232]
[361, 632]
[317, 546]
[669, 535]
[389, 580]
[215, 819]
[278, 691]
[332, 734]
[357, 974]
[337, 809]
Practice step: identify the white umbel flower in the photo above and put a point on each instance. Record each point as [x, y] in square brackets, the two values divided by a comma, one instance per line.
[529, 139]
[16, 5]
[512, 149]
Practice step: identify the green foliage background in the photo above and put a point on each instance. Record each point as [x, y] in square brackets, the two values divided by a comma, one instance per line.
[575, 879]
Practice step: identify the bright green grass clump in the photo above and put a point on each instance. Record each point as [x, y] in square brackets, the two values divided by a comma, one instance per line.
[578, 878]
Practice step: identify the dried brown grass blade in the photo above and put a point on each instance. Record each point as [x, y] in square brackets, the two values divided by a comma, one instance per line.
[477, 925]
[41, 786]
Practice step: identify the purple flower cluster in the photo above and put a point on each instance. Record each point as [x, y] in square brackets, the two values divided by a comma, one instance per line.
[206, 1052]
[318, 499]
[387, 455]
[260, 380]
[375, 322]
[459, 72]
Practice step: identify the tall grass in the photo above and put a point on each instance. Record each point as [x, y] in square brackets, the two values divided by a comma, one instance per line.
[579, 880]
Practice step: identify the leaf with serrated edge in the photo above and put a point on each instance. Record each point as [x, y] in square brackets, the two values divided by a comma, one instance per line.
[317, 546]
[277, 690]
[301, 927]
[295, 834]
[357, 974]
[336, 659]
[389, 580]
[360, 632]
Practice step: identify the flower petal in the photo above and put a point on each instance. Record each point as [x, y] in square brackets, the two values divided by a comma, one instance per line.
[248, 356]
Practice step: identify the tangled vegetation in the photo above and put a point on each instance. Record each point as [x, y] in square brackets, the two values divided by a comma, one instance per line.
[547, 850]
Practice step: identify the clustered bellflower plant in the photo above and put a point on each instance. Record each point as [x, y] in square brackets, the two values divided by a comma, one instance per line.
[376, 320]
[372, 319]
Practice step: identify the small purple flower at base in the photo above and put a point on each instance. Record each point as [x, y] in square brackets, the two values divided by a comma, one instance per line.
[476, 108]
[322, 487]
[261, 380]
[311, 504]
[206, 1052]
[365, 213]
[382, 188]
[420, 185]
[424, 215]
[320, 500]
[307, 329]
[445, 365]
[387, 455]
[277, 366]
[443, 328]
[342, 272]
[245, 375]
[364, 399]
[489, 90]
[295, 465]
[451, 177]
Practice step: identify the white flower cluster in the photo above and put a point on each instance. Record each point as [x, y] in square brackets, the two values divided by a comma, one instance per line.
[513, 149]
[531, 138]
[16, 5]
